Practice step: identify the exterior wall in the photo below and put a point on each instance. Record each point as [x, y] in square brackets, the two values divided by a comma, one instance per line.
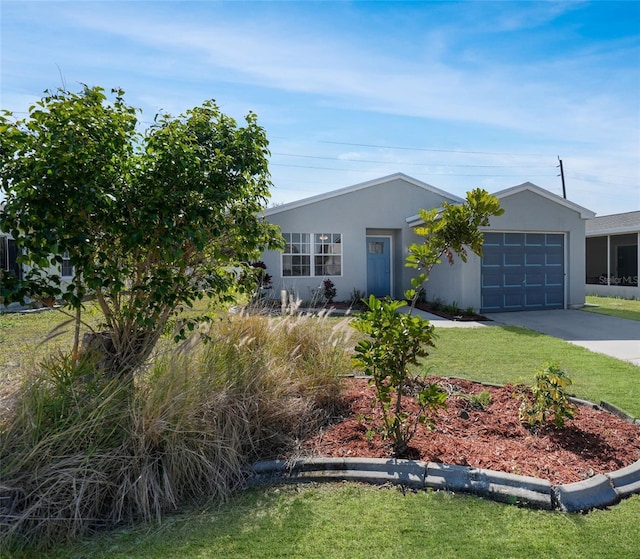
[602, 263]
[525, 211]
[380, 209]
[619, 291]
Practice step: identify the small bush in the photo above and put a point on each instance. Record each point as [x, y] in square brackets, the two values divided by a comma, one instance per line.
[479, 401]
[395, 341]
[329, 290]
[549, 402]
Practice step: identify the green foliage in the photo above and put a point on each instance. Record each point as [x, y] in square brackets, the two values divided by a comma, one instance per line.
[151, 221]
[395, 341]
[448, 231]
[479, 401]
[79, 452]
[356, 297]
[549, 402]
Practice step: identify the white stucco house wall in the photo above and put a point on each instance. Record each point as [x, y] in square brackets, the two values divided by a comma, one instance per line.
[358, 236]
[612, 255]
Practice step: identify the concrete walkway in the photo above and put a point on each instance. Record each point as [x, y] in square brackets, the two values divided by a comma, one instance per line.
[616, 337]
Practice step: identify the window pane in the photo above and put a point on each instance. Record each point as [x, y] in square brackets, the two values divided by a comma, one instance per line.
[328, 265]
[296, 265]
[4, 254]
[328, 250]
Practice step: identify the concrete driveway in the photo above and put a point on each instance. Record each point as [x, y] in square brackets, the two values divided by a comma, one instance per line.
[617, 337]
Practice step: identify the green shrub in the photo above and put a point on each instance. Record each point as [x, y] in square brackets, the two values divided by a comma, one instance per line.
[549, 402]
[396, 340]
[479, 401]
[80, 454]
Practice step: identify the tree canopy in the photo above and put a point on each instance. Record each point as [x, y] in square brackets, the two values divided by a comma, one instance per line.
[451, 230]
[150, 220]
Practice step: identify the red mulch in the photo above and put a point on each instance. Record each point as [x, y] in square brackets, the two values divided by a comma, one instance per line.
[594, 442]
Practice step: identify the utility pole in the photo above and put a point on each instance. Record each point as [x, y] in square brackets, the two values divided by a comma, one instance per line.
[564, 191]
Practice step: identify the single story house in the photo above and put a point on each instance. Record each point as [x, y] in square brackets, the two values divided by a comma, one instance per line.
[358, 236]
[612, 255]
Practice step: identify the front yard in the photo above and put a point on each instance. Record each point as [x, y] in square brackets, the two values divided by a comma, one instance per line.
[352, 520]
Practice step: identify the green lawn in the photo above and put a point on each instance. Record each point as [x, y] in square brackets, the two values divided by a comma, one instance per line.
[356, 521]
[512, 354]
[350, 520]
[612, 306]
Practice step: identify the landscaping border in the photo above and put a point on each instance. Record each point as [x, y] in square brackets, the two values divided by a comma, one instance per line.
[599, 491]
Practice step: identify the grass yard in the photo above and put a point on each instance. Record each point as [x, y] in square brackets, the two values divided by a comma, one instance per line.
[358, 521]
[613, 306]
[352, 520]
[512, 355]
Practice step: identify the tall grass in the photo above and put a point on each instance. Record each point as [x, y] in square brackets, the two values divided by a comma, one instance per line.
[80, 453]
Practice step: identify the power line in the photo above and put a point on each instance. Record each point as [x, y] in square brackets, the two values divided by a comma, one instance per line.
[430, 149]
[403, 163]
[368, 170]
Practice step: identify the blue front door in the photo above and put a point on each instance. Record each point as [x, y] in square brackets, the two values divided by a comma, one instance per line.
[378, 266]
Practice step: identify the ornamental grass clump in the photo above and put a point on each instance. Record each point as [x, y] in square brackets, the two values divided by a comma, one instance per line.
[80, 452]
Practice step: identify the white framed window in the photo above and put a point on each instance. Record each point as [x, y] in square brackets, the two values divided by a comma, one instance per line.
[312, 254]
[327, 257]
[296, 258]
[67, 268]
[4, 253]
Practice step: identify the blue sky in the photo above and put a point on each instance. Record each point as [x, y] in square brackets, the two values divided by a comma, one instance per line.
[457, 94]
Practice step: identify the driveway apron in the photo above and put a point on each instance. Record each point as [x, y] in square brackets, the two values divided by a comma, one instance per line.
[617, 337]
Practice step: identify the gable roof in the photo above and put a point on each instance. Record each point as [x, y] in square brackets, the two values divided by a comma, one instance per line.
[584, 212]
[628, 222]
[361, 186]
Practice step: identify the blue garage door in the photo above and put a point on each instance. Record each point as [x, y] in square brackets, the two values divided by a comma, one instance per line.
[522, 271]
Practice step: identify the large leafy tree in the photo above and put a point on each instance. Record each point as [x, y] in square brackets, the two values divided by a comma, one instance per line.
[150, 221]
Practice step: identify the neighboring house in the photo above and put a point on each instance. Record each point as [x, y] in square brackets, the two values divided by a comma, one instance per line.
[613, 251]
[9, 255]
[9, 263]
[358, 237]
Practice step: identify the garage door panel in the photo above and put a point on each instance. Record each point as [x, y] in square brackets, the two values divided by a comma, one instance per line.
[534, 258]
[513, 259]
[554, 280]
[513, 239]
[513, 300]
[492, 258]
[492, 279]
[535, 239]
[513, 279]
[522, 271]
[535, 279]
[554, 299]
[534, 300]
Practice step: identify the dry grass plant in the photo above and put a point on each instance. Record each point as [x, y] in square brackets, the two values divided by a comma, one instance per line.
[80, 453]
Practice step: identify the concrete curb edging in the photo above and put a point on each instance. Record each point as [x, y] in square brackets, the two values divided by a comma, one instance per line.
[598, 491]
